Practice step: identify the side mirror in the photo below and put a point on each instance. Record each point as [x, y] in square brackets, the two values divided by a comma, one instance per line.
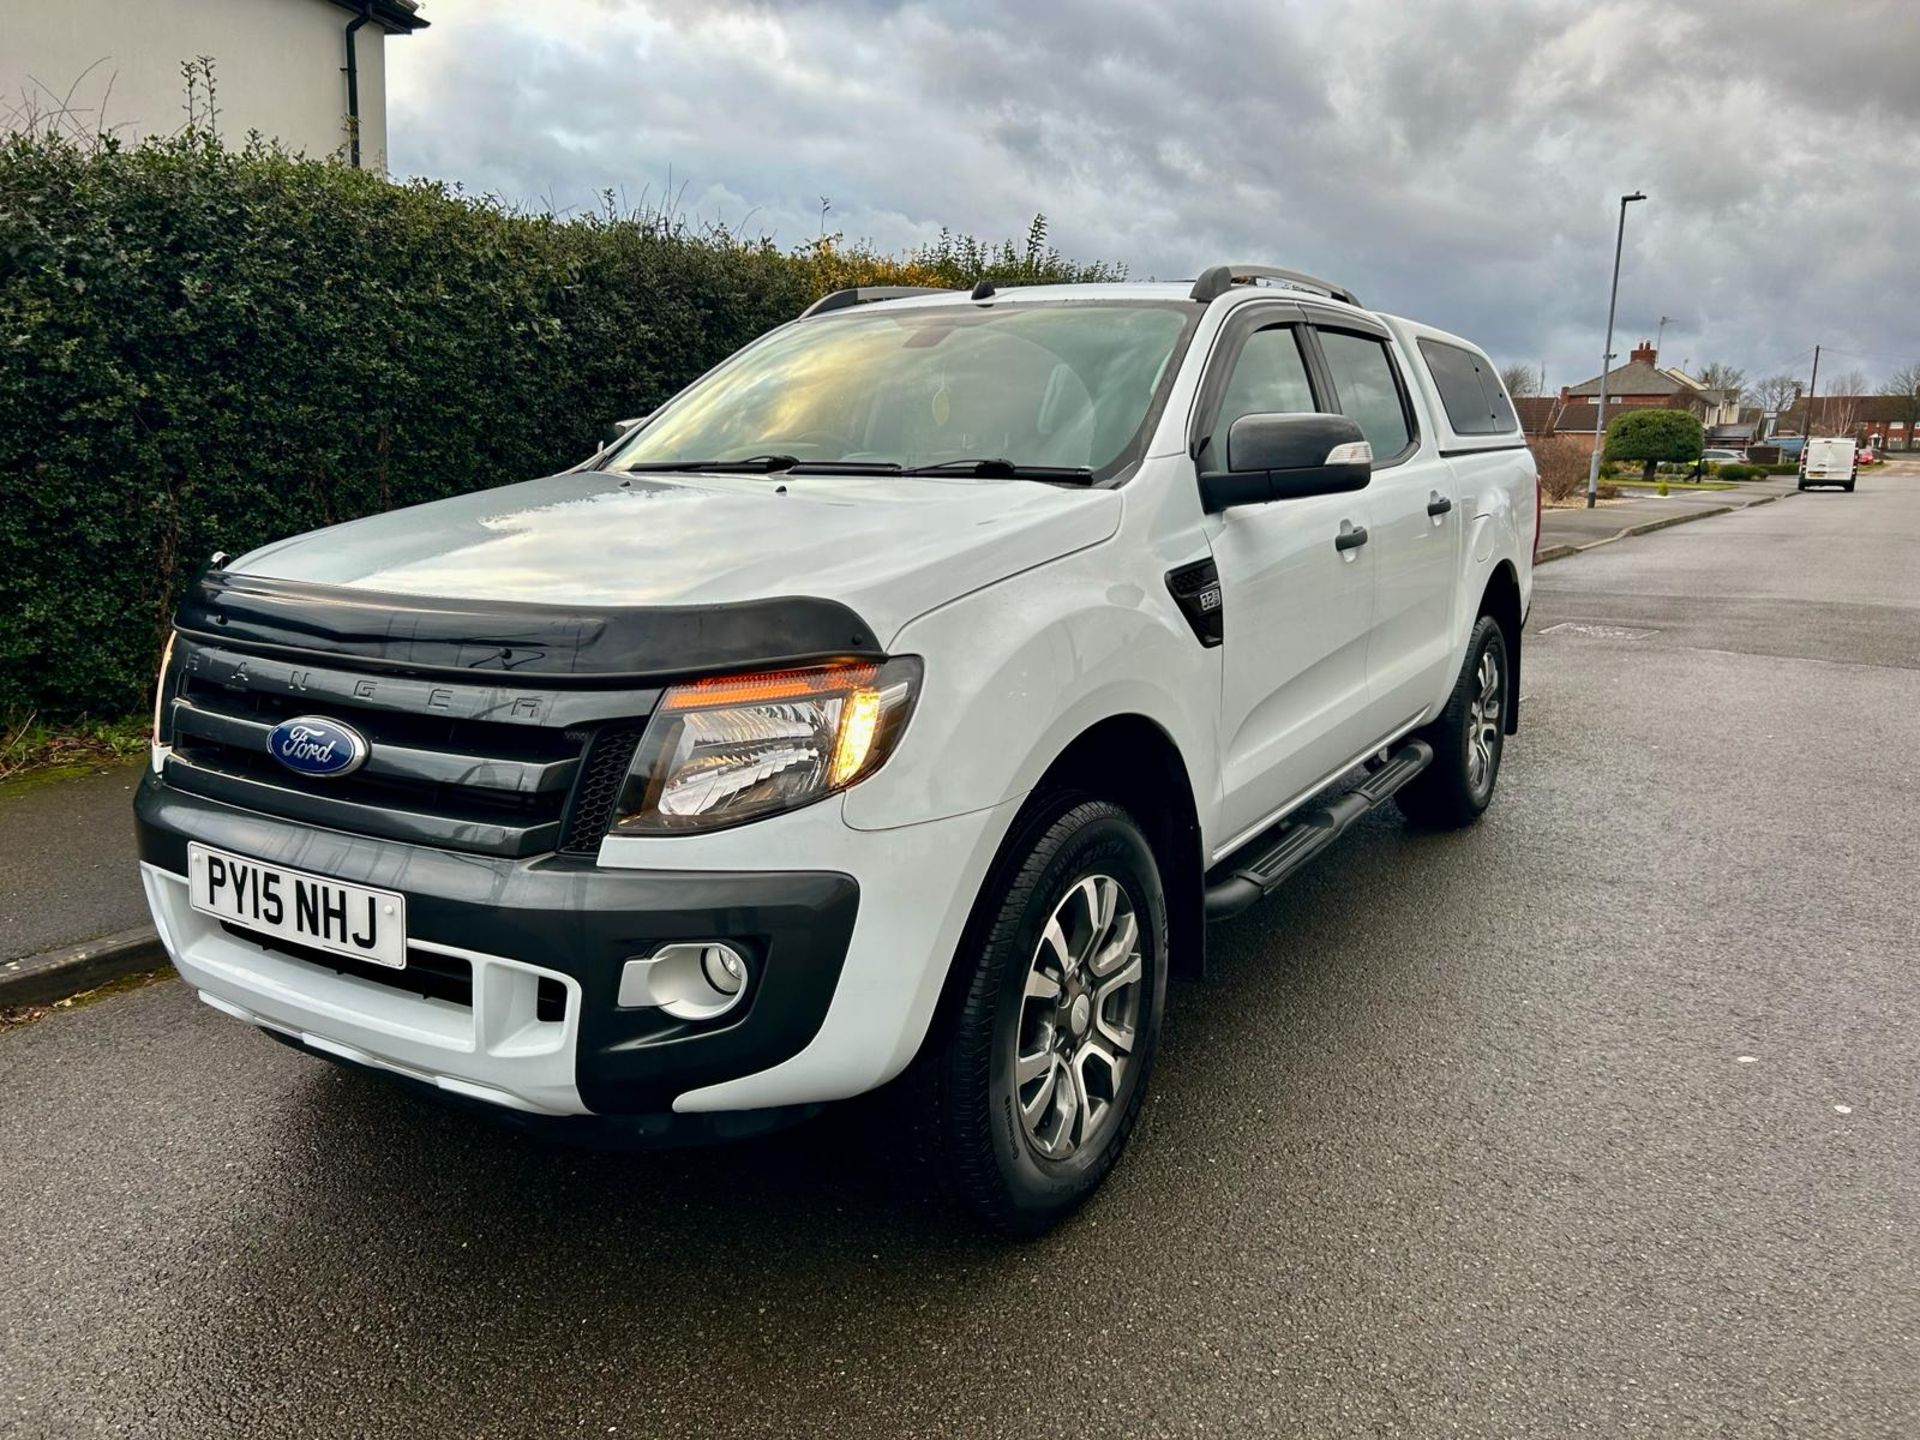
[620, 429]
[1286, 457]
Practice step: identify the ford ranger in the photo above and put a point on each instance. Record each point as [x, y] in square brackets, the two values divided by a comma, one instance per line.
[901, 699]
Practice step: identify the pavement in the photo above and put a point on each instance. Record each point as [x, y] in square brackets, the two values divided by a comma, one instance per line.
[70, 859]
[1579, 526]
[1599, 1118]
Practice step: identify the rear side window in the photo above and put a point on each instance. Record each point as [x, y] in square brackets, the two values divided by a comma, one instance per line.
[1368, 390]
[1476, 403]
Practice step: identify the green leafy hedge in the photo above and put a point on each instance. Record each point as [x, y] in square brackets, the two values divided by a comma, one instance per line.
[203, 350]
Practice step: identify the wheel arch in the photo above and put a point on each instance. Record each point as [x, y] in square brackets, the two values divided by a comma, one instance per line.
[1133, 761]
[1501, 600]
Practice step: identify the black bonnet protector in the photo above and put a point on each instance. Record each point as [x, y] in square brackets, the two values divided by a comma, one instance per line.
[595, 646]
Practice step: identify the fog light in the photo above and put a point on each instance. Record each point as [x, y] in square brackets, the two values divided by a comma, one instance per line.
[726, 971]
[688, 981]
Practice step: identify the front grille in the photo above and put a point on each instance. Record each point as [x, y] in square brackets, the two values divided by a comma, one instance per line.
[494, 767]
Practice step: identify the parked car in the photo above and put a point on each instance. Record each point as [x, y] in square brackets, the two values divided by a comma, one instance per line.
[1716, 457]
[1863, 455]
[903, 697]
[1828, 462]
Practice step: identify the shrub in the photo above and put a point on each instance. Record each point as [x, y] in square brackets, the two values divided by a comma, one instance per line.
[203, 350]
[1563, 463]
[1733, 471]
[1651, 436]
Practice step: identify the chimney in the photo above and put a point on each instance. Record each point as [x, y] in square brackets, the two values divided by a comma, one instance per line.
[1644, 353]
[1566, 393]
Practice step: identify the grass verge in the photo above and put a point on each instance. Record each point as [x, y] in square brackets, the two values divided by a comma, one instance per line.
[12, 1017]
[27, 745]
[1685, 487]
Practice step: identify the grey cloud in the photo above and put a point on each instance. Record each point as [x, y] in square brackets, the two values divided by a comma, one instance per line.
[1458, 160]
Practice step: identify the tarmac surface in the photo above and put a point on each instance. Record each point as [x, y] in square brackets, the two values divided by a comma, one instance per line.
[1599, 1118]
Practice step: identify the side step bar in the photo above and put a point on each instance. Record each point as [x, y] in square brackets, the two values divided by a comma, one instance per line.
[1257, 873]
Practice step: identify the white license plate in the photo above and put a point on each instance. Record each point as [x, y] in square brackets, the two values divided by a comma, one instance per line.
[352, 920]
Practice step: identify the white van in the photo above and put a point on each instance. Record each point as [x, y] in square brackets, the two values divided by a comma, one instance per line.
[1828, 462]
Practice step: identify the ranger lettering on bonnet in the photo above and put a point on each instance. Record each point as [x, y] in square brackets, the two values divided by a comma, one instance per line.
[901, 699]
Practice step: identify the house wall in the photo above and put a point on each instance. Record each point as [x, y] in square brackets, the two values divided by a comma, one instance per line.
[279, 68]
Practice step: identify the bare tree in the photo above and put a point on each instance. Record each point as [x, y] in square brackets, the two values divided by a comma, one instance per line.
[1904, 385]
[1718, 375]
[1837, 412]
[1835, 415]
[1520, 380]
[1775, 393]
[1847, 382]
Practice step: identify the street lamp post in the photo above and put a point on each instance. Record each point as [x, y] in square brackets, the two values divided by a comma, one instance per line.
[1606, 360]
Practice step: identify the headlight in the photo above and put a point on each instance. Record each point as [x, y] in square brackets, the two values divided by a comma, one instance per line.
[160, 690]
[721, 751]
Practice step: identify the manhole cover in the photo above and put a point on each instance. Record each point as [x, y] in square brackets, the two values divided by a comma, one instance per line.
[1595, 632]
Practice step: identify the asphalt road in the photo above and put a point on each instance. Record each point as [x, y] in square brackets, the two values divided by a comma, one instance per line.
[1597, 1119]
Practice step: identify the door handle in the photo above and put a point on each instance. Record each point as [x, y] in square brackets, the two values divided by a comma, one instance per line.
[1438, 504]
[1351, 539]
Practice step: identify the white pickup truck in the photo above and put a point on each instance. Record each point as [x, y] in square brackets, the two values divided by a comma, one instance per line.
[901, 699]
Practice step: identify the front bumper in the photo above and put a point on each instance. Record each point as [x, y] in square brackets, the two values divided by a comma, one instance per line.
[509, 925]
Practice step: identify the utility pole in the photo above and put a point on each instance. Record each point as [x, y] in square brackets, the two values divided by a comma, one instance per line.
[1606, 360]
[1813, 385]
[1660, 335]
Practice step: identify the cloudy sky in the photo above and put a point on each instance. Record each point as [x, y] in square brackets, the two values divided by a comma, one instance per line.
[1459, 161]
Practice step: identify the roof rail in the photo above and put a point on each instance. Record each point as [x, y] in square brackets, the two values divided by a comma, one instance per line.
[866, 295]
[1214, 283]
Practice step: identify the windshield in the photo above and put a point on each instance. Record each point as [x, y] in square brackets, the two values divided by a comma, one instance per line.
[1064, 386]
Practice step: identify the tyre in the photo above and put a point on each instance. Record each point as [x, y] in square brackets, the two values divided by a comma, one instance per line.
[1848, 487]
[1467, 738]
[1040, 1077]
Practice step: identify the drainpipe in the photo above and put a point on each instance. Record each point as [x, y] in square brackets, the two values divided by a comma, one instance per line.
[353, 83]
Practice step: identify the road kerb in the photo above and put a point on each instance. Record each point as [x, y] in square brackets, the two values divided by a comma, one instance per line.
[59, 974]
[1561, 552]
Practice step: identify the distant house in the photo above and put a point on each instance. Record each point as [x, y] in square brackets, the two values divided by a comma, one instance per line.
[1545, 417]
[1884, 421]
[310, 74]
[1740, 433]
[1642, 382]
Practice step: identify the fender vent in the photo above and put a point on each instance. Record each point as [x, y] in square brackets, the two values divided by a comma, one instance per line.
[1196, 590]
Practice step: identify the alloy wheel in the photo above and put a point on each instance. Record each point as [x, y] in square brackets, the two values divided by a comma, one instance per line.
[1483, 724]
[1079, 1017]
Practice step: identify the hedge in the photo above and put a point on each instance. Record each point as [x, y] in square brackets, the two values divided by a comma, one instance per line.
[203, 350]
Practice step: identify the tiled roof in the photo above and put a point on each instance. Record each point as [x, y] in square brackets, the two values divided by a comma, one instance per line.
[1538, 412]
[1865, 409]
[1634, 378]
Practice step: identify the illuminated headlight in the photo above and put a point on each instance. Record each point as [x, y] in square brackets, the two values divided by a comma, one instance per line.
[721, 751]
[160, 736]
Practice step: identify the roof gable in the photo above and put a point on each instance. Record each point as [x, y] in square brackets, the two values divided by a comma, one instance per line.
[1636, 377]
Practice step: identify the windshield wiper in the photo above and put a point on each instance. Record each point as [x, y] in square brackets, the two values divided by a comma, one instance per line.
[747, 464]
[772, 465]
[998, 469]
[846, 467]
